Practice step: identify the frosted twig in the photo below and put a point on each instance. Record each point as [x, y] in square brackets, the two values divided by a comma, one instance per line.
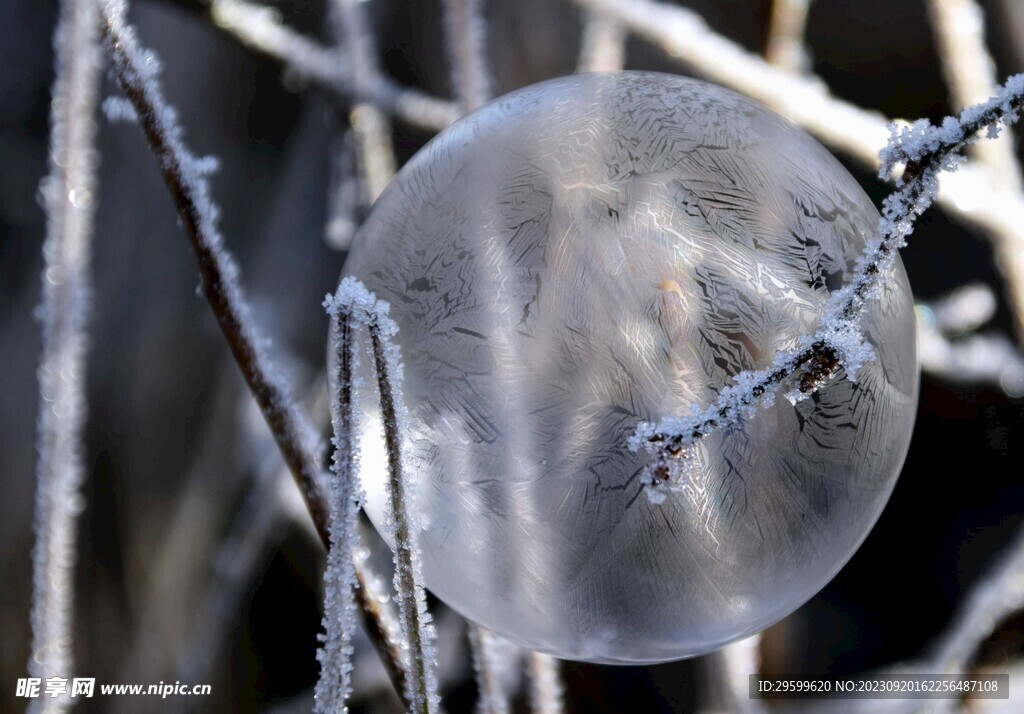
[998, 595]
[466, 34]
[292, 432]
[335, 655]
[218, 272]
[69, 195]
[354, 301]
[370, 125]
[786, 25]
[603, 45]
[496, 664]
[261, 29]
[546, 691]
[838, 342]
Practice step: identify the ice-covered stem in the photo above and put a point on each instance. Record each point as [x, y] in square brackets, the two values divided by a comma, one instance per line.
[69, 198]
[187, 184]
[546, 691]
[261, 28]
[335, 654]
[496, 663]
[466, 33]
[353, 300]
[925, 150]
[602, 45]
[787, 23]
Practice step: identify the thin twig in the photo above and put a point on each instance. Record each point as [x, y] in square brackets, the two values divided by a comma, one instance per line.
[546, 691]
[422, 690]
[69, 193]
[603, 45]
[467, 52]
[787, 23]
[335, 655]
[261, 28]
[187, 184]
[838, 341]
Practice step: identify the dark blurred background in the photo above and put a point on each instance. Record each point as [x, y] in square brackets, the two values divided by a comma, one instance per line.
[173, 447]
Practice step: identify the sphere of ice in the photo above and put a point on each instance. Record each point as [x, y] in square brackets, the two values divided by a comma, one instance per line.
[595, 251]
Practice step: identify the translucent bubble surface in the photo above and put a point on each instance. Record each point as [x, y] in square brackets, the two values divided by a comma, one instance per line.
[598, 250]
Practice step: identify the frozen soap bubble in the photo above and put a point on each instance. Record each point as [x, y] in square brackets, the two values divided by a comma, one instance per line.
[592, 252]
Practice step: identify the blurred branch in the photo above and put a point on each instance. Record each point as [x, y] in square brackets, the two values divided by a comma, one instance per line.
[787, 23]
[466, 35]
[187, 183]
[603, 45]
[371, 127]
[731, 668]
[261, 28]
[496, 663]
[69, 195]
[546, 692]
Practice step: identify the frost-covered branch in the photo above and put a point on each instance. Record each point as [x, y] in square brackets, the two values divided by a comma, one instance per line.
[603, 44]
[335, 655]
[69, 195]
[466, 35]
[353, 302]
[185, 176]
[261, 28]
[925, 150]
[786, 26]
[496, 663]
[546, 692]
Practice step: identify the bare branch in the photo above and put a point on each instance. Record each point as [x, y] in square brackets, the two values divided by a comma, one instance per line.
[731, 668]
[786, 25]
[467, 52]
[69, 194]
[603, 46]
[261, 29]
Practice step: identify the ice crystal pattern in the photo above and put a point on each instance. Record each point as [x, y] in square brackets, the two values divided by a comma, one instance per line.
[597, 251]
